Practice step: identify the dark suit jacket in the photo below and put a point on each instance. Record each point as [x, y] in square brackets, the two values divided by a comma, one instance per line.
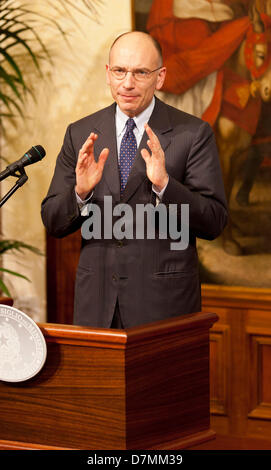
[150, 281]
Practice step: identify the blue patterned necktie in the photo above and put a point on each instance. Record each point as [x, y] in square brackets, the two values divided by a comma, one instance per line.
[128, 148]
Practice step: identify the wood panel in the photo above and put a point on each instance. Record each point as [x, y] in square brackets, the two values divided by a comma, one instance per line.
[62, 260]
[6, 301]
[219, 359]
[188, 384]
[240, 345]
[260, 376]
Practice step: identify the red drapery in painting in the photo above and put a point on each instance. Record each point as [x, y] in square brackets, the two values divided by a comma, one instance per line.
[192, 51]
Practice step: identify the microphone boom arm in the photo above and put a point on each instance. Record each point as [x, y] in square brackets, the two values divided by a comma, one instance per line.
[22, 178]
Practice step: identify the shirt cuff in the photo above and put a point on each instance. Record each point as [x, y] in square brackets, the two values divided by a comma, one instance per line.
[82, 203]
[159, 194]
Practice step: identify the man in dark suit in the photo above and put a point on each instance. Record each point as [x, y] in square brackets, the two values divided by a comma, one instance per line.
[170, 159]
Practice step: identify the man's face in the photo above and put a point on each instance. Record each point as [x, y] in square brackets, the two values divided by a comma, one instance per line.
[134, 52]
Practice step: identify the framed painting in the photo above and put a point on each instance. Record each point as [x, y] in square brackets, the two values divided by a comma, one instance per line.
[218, 59]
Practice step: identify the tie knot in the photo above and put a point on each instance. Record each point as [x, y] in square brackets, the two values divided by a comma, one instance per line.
[130, 124]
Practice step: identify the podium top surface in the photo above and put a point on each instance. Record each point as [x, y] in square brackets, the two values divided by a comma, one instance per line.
[118, 338]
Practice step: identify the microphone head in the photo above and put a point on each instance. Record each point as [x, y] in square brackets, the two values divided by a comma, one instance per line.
[35, 154]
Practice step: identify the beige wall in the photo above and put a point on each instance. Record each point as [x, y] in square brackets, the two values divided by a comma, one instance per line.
[74, 87]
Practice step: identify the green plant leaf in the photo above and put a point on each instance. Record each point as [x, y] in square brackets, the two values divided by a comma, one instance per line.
[14, 273]
[7, 100]
[4, 288]
[26, 27]
[10, 80]
[13, 64]
[11, 245]
[23, 43]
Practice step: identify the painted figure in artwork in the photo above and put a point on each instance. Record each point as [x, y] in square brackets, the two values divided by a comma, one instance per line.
[218, 58]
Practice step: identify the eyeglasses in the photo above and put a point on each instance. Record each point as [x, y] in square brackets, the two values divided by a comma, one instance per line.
[139, 74]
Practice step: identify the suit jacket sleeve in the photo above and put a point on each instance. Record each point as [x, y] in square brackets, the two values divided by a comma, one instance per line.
[59, 210]
[202, 187]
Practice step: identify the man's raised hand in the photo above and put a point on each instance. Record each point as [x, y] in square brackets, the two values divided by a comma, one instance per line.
[155, 161]
[88, 171]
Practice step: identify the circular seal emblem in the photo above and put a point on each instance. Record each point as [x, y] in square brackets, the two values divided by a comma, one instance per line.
[23, 348]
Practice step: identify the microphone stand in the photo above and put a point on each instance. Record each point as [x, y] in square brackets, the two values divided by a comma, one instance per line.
[22, 178]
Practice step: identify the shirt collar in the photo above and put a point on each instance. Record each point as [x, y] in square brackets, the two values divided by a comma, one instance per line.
[140, 120]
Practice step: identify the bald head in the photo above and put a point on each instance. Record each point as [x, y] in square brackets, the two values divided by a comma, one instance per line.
[139, 39]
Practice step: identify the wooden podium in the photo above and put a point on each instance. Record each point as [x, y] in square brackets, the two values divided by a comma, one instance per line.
[142, 388]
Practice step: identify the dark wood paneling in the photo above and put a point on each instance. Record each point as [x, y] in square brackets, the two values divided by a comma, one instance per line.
[6, 301]
[62, 259]
[155, 386]
[219, 372]
[240, 365]
[260, 376]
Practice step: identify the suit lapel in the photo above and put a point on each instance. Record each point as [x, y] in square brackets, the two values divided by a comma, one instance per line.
[159, 123]
[106, 129]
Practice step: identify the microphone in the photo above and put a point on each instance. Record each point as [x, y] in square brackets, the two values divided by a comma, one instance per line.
[35, 154]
